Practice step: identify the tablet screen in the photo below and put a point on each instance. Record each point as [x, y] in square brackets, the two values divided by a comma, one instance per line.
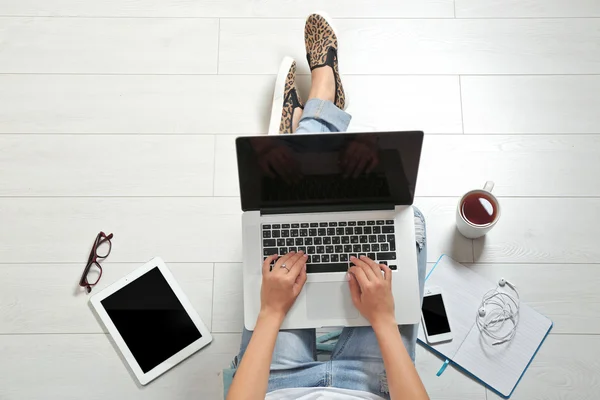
[151, 319]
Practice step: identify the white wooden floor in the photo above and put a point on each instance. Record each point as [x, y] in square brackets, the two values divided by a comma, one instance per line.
[120, 115]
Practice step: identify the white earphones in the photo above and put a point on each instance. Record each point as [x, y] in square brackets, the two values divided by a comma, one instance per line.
[503, 282]
[496, 308]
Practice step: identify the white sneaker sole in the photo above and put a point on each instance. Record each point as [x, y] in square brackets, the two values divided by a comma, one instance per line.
[277, 107]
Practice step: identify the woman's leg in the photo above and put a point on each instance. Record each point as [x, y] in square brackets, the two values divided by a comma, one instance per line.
[294, 359]
[293, 348]
[324, 110]
[322, 116]
[356, 360]
[319, 114]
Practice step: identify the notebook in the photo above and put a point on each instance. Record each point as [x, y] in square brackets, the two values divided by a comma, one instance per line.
[499, 367]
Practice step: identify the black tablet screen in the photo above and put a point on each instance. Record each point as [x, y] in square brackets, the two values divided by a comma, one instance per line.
[151, 320]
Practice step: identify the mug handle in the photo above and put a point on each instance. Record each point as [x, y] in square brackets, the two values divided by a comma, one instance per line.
[489, 185]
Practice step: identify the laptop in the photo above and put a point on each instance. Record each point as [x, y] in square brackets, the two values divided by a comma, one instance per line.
[333, 196]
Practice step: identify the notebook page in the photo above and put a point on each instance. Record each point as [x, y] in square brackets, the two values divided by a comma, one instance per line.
[502, 365]
[462, 290]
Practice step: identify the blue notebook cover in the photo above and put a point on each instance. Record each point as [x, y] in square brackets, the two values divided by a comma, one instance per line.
[500, 367]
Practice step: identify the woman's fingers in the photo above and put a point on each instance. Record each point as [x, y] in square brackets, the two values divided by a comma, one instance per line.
[387, 273]
[354, 288]
[366, 269]
[296, 264]
[284, 259]
[360, 276]
[266, 267]
[373, 265]
[300, 281]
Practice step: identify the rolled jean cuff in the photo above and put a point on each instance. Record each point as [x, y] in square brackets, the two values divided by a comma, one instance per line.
[325, 112]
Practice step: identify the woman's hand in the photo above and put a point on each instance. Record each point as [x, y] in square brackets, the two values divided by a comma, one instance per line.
[372, 291]
[282, 285]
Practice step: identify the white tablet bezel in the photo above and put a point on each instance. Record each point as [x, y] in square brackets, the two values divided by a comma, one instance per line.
[169, 363]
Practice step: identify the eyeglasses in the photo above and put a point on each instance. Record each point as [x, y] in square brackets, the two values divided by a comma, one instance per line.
[100, 251]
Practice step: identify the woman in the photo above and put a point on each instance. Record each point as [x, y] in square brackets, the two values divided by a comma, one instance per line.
[374, 362]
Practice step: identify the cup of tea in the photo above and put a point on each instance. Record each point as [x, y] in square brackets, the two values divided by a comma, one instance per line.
[477, 212]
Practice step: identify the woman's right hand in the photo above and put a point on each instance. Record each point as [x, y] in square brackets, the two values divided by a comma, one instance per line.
[282, 284]
[371, 290]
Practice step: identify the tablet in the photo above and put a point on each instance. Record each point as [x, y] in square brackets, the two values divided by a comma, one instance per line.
[151, 320]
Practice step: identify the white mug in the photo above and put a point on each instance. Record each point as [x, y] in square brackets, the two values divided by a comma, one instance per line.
[473, 230]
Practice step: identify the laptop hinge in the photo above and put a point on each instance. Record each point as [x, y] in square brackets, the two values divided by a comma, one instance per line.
[329, 208]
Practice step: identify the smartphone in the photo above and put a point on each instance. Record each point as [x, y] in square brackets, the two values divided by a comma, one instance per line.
[434, 316]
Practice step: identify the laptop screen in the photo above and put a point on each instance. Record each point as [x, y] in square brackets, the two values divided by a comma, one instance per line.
[317, 171]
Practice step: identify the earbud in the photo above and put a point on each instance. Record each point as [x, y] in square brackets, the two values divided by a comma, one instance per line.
[503, 282]
[482, 312]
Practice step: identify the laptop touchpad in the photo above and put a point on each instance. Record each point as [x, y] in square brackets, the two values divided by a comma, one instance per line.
[329, 300]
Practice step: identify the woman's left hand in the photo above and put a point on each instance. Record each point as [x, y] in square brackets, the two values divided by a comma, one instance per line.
[282, 285]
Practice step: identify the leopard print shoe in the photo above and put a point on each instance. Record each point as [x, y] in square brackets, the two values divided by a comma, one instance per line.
[285, 99]
[322, 49]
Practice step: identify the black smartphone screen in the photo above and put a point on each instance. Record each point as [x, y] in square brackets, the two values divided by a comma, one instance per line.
[434, 315]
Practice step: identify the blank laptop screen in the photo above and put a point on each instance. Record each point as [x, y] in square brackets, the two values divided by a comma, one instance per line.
[324, 170]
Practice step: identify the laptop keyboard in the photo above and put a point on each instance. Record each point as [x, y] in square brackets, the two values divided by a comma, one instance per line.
[329, 245]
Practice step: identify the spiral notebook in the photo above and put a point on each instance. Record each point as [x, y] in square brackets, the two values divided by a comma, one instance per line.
[498, 367]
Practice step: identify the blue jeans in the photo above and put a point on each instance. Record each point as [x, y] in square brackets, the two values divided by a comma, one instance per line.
[323, 116]
[356, 362]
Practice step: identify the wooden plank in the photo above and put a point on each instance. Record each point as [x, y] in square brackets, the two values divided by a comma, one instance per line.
[527, 8]
[531, 104]
[240, 8]
[226, 171]
[65, 366]
[190, 229]
[46, 298]
[109, 165]
[181, 104]
[228, 298]
[134, 104]
[565, 293]
[565, 368]
[534, 165]
[543, 230]
[453, 46]
[403, 103]
[165, 165]
[109, 45]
